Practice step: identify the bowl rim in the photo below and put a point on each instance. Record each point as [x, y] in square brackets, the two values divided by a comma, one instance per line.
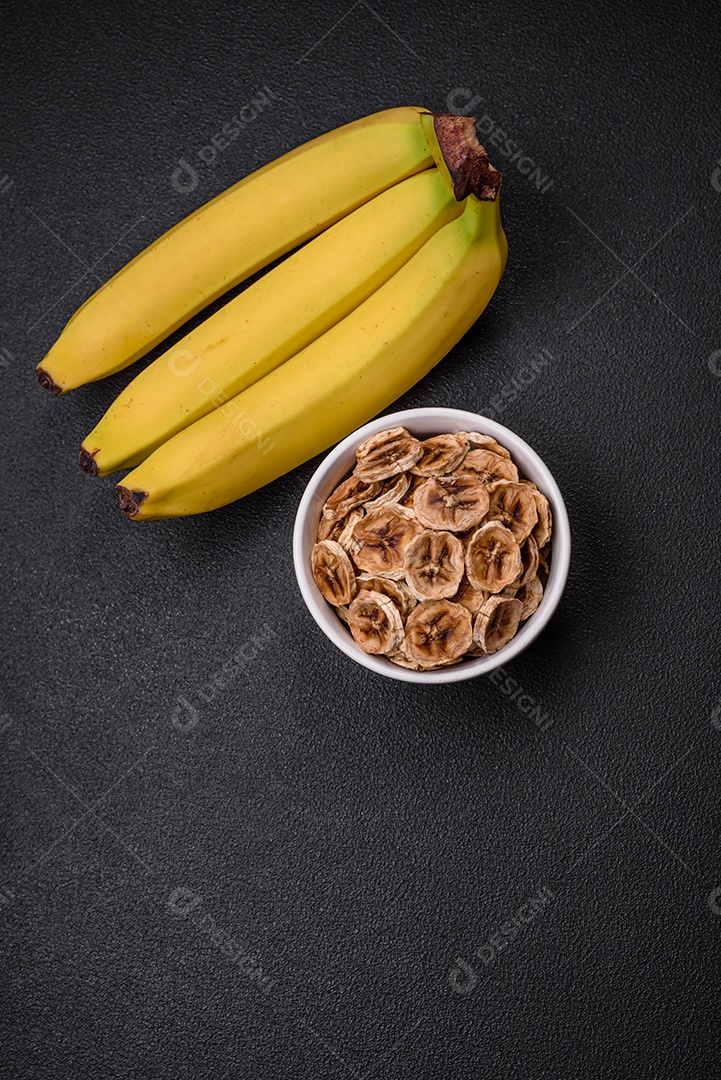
[327, 476]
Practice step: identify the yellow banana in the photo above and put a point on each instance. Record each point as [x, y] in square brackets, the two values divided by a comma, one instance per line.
[350, 373]
[276, 317]
[240, 231]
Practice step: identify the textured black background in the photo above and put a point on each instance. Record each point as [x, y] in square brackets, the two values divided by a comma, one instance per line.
[359, 836]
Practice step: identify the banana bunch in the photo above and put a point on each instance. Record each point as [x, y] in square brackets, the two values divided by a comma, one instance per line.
[406, 249]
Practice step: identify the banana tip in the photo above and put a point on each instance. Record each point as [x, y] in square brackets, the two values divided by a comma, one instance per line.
[131, 501]
[87, 462]
[48, 383]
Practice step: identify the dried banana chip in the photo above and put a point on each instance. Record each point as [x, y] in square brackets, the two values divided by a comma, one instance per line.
[392, 490]
[379, 541]
[544, 554]
[441, 454]
[530, 596]
[529, 557]
[330, 528]
[397, 591]
[489, 466]
[475, 650]
[469, 596]
[493, 558]
[375, 623]
[484, 442]
[345, 537]
[333, 572]
[402, 658]
[496, 623]
[408, 498]
[542, 528]
[434, 566]
[514, 505]
[348, 495]
[438, 632]
[387, 453]
[452, 503]
[342, 613]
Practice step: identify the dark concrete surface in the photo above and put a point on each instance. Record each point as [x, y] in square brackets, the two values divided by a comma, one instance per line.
[284, 866]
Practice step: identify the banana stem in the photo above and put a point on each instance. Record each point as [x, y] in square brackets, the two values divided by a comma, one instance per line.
[458, 153]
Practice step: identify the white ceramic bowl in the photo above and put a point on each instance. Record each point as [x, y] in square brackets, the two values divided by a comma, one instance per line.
[423, 423]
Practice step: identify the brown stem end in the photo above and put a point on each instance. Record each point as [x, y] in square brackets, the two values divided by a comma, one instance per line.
[48, 383]
[131, 501]
[471, 171]
[87, 462]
